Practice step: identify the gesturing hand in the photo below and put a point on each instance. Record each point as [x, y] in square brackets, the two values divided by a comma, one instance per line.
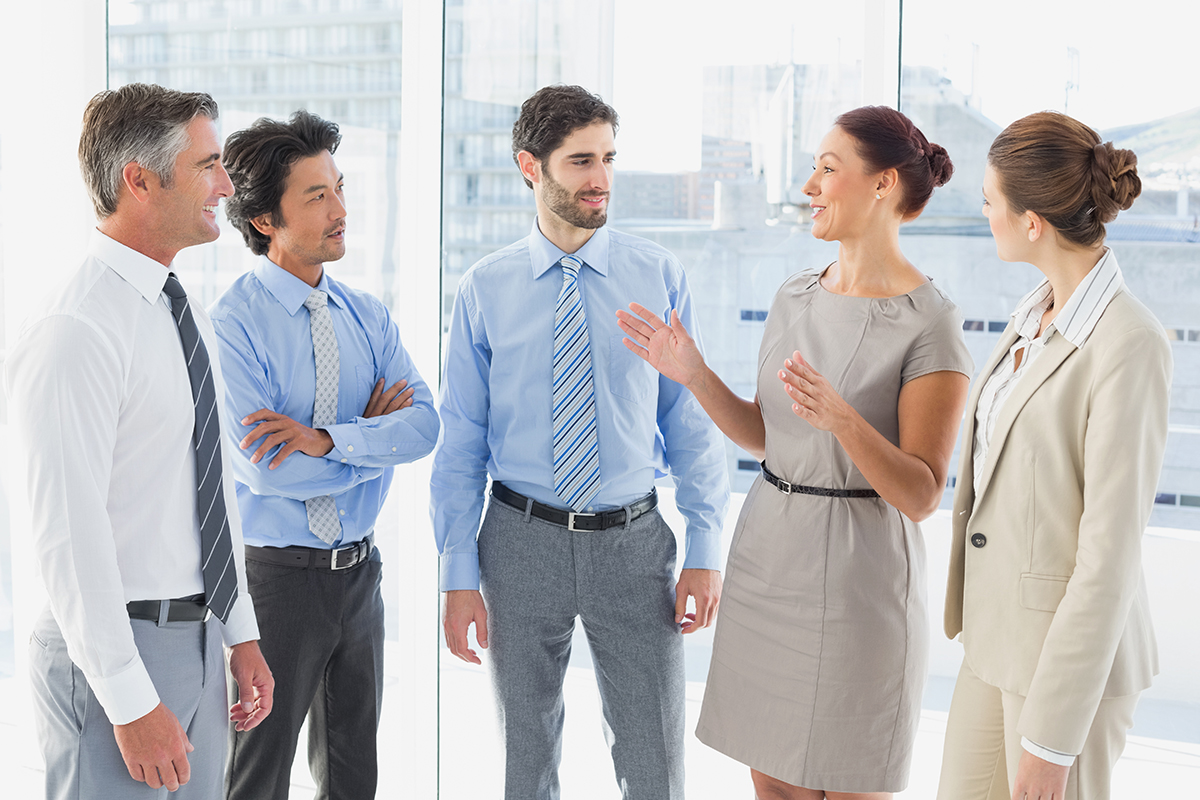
[813, 398]
[667, 348]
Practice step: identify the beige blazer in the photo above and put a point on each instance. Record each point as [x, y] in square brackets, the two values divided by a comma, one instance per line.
[1046, 582]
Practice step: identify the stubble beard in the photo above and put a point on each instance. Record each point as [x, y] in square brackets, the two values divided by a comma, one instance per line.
[565, 205]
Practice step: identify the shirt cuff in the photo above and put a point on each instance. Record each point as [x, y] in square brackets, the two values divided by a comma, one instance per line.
[1046, 754]
[349, 445]
[703, 550]
[126, 696]
[242, 624]
[458, 571]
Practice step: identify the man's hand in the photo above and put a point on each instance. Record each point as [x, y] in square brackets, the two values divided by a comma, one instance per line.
[256, 686]
[155, 749]
[394, 399]
[282, 430]
[459, 609]
[705, 586]
[1038, 779]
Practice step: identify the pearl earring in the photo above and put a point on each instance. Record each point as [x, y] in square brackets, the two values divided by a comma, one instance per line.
[878, 197]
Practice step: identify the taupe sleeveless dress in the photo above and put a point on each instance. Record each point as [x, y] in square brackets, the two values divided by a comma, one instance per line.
[821, 643]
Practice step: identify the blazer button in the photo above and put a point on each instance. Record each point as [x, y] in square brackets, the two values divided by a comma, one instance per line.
[978, 539]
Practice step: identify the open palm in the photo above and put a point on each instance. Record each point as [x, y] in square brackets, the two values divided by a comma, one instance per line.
[667, 348]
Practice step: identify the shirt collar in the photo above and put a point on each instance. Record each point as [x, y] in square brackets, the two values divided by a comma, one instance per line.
[137, 269]
[544, 254]
[1078, 317]
[290, 291]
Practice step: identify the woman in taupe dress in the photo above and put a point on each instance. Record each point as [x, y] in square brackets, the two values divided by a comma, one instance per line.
[821, 645]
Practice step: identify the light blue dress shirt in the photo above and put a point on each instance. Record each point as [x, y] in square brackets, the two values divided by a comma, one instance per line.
[267, 359]
[496, 396]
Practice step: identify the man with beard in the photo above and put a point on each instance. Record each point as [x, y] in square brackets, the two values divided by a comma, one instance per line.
[541, 395]
[323, 400]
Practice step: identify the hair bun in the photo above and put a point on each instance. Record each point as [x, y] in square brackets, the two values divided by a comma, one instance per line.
[940, 164]
[1115, 182]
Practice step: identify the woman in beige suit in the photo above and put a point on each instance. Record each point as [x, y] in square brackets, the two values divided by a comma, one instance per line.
[1065, 431]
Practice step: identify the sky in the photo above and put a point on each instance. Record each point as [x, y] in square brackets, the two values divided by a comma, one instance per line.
[1133, 59]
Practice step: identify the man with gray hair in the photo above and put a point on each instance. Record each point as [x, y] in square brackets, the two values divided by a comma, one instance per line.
[113, 384]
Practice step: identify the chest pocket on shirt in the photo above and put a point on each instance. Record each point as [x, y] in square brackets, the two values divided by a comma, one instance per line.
[364, 382]
[628, 375]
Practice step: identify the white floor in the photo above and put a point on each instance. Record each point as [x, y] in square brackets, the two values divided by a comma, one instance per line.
[1149, 768]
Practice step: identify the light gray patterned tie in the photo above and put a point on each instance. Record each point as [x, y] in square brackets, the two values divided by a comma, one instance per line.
[322, 511]
[576, 449]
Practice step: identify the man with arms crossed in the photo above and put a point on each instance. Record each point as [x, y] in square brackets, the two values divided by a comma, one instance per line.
[323, 401]
[113, 388]
[541, 395]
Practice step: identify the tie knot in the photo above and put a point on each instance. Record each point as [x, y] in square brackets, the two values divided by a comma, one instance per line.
[316, 300]
[571, 265]
[173, 288]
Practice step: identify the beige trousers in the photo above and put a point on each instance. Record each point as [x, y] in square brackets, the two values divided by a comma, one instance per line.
[983, 746]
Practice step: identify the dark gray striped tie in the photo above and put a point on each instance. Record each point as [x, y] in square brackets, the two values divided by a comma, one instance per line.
[216, 545]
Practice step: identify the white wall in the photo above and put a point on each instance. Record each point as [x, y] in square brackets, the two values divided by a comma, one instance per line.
[45, 212]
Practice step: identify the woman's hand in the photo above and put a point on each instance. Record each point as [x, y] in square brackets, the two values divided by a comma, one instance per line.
[813, 399]
[667, 348]
[1038, 779]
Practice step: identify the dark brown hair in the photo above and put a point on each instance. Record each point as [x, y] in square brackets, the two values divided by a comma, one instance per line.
[1057, 167]
[888, 140]
[139, 122]
[259, 160]
[552, 114]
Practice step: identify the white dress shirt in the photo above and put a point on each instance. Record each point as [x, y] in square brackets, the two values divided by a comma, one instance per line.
[1075, 321]
[101, 401]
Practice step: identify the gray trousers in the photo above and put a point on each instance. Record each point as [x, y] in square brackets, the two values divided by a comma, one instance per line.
[536, 579]
[322, 636]
[186, 663]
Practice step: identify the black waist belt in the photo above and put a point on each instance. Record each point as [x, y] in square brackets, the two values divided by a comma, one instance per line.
[187, 609]
[302, 557]
[795, 488]
[570, 519]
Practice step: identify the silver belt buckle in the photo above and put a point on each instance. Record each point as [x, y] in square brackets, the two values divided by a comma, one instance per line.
[571, 522]
[784, 486]
[333, 565]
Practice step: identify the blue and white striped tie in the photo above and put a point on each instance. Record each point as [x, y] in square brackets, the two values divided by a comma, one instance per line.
[576, 449]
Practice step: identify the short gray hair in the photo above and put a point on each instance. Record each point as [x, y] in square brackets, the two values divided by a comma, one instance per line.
[139, 122]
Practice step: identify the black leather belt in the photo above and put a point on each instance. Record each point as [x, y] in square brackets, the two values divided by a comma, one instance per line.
[571, 520]
[187, 609]
[319, 558]
[795, 488]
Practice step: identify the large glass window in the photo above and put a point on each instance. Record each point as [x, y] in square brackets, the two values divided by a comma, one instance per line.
[721, 109]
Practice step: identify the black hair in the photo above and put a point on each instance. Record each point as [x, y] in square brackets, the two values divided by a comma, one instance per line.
[259, 160]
